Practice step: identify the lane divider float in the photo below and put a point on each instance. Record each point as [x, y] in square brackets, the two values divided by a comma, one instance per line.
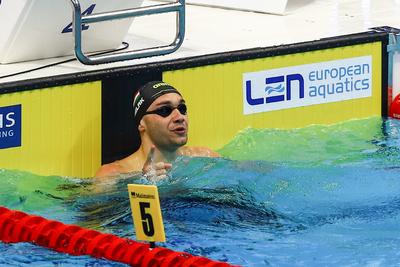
[17, 226]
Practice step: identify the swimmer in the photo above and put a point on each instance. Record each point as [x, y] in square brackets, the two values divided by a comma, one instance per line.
[160, 115]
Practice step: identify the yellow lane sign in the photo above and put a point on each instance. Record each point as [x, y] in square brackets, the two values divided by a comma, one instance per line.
[146, 212]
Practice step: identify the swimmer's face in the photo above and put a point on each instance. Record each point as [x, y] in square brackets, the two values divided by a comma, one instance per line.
[166, 131]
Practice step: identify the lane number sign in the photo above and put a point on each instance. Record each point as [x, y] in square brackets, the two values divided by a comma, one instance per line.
[146, 213]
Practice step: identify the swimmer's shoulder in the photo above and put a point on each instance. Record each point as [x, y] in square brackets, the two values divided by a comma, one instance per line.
[197, 151]
[110, 169]
[129, 164]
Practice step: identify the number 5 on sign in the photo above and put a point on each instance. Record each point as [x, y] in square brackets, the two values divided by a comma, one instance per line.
[146, 212]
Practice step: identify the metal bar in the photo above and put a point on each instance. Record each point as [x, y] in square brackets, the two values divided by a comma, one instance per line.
[136, 12]
[78, 20]
[77, 28]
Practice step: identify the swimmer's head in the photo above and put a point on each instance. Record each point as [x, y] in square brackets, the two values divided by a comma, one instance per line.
[147, 94]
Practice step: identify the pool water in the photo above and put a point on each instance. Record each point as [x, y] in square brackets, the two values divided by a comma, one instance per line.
[316, 196]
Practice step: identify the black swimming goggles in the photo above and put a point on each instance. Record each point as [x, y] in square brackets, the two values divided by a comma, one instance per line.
[165, 111]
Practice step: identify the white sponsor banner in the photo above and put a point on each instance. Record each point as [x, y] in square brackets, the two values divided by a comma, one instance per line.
[305, 85]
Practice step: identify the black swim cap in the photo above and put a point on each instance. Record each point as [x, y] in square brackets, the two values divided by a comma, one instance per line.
[147, 94]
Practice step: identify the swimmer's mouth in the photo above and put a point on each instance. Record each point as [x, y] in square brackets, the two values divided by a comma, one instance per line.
[179, 130]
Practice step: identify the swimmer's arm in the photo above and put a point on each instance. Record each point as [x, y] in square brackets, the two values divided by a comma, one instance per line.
[201, 152]
[211, 153]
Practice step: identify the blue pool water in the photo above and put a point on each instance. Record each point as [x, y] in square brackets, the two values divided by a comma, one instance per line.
[316, 196]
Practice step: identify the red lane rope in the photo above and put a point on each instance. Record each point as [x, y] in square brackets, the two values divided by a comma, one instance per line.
[17, 226]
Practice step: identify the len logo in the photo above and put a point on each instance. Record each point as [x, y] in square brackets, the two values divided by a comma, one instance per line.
[272, 91]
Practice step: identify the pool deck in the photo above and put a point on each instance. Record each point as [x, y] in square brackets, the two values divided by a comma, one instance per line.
[212, 30]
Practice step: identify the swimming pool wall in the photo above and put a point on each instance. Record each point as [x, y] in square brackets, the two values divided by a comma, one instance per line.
[71, 124]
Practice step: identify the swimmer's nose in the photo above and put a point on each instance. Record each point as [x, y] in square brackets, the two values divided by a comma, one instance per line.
[177, 116]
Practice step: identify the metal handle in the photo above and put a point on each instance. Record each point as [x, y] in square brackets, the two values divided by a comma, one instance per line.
[78, 20]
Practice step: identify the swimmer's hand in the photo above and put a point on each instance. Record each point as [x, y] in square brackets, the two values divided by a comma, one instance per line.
[155, 171]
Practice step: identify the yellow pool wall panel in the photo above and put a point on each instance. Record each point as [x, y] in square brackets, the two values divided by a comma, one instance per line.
[214, 95]
[60, 130]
